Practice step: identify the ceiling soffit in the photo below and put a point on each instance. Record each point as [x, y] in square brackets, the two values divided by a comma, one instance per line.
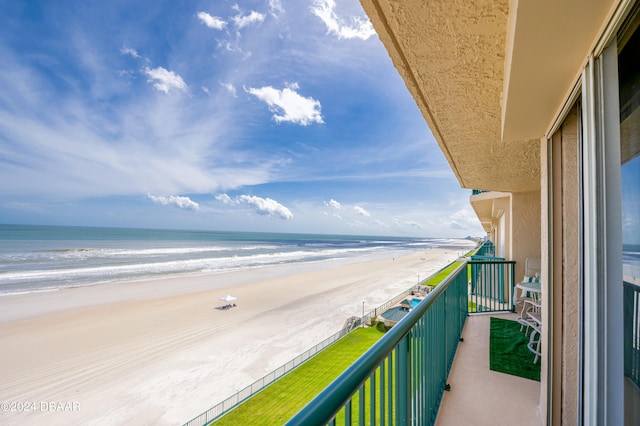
[549, 42]
[453, 56]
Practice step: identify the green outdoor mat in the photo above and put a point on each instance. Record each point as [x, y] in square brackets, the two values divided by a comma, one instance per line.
[508, 352]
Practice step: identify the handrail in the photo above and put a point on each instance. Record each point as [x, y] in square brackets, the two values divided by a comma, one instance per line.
[247, 392]
[327, 404]
[486, 249]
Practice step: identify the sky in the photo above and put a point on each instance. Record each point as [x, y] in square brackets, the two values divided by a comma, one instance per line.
[273, 115]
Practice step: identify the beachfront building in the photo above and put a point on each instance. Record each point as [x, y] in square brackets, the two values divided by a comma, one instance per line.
[536, 106]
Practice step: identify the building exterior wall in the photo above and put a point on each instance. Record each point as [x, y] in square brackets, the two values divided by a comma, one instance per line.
[502, 210]
[560, 265]
[545, 267]
[570, 269]
[526, 229]
[579, 224]
[561, 272]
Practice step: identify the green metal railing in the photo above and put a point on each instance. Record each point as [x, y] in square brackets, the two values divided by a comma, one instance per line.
[632, 332]
[400, 380]
[478, 191]
[486, 249]
[491, 284]
[242, 395]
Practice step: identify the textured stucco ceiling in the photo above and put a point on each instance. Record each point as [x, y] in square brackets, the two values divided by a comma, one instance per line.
[488, 206]
[453, 56]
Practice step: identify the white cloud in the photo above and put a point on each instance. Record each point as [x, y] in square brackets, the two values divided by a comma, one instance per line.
[360, 211]
[164, 80]
[359, 27]
[212, 21]
[182, 202]
[129, 51]
[380, 223]
[414, 224]
[332, 203]
[252, 18]
[462, 220]
[275, 8]
[267, 206]
[226, 199]
[205, 89]
[293, 107]
[263, 206]
[230, 88]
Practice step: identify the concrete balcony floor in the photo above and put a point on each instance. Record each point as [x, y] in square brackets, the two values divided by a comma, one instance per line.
[480, 396]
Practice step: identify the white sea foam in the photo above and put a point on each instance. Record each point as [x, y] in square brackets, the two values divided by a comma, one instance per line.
[43, 258]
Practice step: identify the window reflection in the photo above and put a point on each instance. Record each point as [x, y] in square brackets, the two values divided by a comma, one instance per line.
[629, 83]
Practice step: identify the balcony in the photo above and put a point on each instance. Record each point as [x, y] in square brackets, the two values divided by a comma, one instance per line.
[480, 396]
[433, 367]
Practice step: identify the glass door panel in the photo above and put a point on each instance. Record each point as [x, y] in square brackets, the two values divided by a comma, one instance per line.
[629, 84]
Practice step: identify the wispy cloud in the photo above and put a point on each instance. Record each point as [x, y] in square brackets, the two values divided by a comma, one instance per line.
[288, 105]
[175, 200]
[463, 219]
[230, 88]
[165, 80]
[212, 21]
[129, 51]
[275, 8]
[81, 121]
[242, 21]
[262, 206]
[359, 27]
[413, 224]
[360, 211]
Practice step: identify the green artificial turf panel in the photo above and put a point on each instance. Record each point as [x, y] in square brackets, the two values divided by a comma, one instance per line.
[508, 350]
[280, 401]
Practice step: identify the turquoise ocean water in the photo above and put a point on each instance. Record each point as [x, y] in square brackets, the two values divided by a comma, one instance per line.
[41, 258]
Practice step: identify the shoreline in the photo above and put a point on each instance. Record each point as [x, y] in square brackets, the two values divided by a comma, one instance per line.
[162, 353]
[12, 305]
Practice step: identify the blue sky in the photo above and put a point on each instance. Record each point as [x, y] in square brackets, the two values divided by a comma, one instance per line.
[284, 116]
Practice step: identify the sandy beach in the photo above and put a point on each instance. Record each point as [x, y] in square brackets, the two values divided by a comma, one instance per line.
[159, 352]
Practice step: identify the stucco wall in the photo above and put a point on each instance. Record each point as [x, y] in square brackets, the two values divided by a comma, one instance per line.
[559, 201]
[570, 270]
[526, 229]
[544, 273]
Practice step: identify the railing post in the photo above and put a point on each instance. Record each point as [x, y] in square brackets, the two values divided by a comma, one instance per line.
[628, 327]
[412, 361]
[513, 286]
[403, 372]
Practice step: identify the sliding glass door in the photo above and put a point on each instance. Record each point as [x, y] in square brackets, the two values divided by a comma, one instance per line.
[629, 92]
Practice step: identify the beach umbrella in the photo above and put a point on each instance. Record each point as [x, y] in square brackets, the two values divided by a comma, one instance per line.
[228, 298]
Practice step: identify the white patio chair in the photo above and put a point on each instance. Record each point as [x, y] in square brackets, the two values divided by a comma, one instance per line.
[534, 320]
[531, 270]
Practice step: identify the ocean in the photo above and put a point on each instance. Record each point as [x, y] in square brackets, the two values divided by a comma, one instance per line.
[631, 262]
[44, 258]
